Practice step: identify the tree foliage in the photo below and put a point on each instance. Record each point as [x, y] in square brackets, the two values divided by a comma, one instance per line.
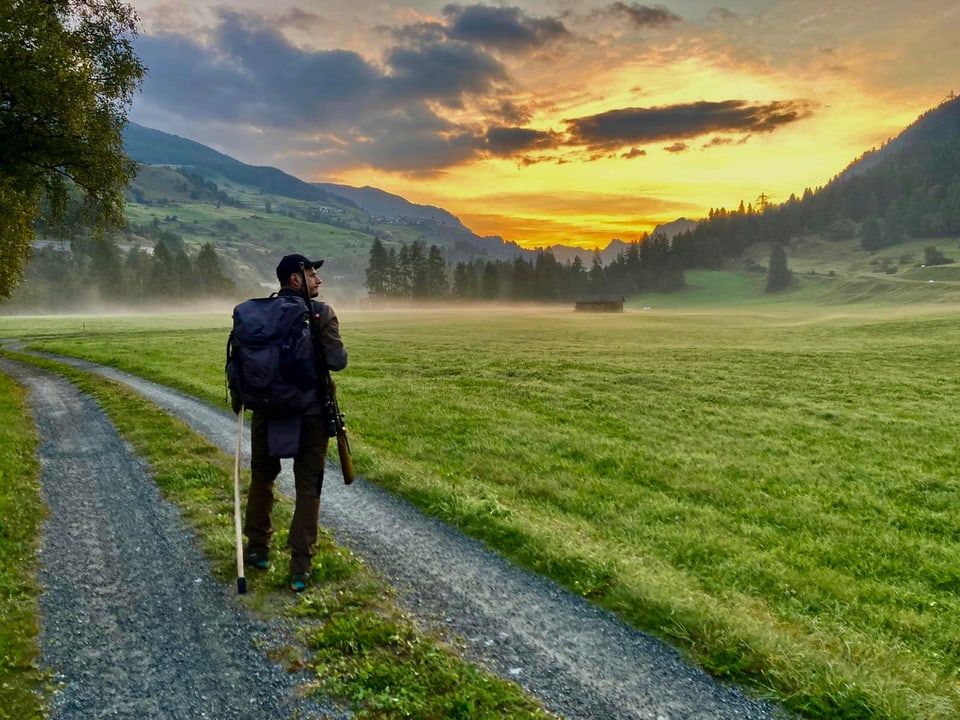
[67, 76]
[779, 276]
[101, 271]
[647, 265]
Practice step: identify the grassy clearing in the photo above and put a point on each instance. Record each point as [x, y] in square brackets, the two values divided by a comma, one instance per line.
[21, 512]
[772, 489]
[350, 633]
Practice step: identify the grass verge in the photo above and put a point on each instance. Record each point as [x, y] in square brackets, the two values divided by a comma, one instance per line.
[21, 512]
[364, 652]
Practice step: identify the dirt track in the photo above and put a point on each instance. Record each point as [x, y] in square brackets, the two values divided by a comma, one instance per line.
[579, 660]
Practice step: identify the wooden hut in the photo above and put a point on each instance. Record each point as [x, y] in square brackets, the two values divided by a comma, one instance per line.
[600, 305]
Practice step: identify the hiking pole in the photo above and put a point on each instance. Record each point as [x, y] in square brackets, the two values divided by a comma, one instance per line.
[241, 580]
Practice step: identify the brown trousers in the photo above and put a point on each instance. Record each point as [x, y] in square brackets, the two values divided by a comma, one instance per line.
[308, 478]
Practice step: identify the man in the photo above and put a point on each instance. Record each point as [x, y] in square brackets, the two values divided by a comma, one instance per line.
[303, 437]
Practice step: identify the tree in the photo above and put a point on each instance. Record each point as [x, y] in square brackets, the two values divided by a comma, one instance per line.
[378, 269]
[437, 284]
[490, 282]
[209, 272]
[779, 276]
[67, 76]
[871, 239]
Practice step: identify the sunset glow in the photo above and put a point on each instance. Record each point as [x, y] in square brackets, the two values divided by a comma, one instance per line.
[550, 121]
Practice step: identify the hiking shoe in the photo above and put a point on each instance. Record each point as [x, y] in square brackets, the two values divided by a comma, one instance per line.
[257, 560]
[298, 582]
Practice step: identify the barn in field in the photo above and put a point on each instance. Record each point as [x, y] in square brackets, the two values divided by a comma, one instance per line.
[600, 305]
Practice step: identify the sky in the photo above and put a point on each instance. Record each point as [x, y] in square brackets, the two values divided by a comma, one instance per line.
[549, 121]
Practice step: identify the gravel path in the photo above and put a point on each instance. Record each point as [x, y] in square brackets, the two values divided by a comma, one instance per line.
[133, 623]
[582, 662]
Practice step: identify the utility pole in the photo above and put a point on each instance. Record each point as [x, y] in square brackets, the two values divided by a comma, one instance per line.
[762, 202]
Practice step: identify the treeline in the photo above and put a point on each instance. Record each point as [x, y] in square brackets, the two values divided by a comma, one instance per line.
[410, 272]
[89, 271]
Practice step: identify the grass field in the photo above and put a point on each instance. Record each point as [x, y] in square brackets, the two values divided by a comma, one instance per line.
[770, 487]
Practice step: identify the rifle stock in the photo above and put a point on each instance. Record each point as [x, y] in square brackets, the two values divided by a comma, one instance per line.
[343, 443]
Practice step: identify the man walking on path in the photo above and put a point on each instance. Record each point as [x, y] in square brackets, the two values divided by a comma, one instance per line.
[303, 437]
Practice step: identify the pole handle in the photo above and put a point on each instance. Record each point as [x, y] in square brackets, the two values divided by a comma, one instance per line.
[241, 580]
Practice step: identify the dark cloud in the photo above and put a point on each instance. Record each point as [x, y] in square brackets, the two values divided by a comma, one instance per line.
[506, 141]
[504, 28]
[352, 110]
[414, 141]
[718, 142]
[418, 33]
[677, 147]
[630, 126]
[634, 153]
[249, 73]
[652, 16]
[442, 71]
[510, 113]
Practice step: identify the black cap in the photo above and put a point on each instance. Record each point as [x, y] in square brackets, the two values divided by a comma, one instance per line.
[290, 264]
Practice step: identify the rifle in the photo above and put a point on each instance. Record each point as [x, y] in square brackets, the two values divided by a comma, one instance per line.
[331, 407]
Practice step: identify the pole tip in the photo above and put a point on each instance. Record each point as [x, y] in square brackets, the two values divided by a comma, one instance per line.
[241, 585]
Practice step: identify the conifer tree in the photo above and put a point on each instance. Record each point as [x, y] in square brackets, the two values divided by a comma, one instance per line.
[779, 276]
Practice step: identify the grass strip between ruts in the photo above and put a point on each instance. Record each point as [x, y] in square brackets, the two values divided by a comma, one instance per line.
[363, 651]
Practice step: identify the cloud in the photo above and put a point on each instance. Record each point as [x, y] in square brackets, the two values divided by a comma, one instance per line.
[677, 147]
[634, 153]
[718, 142]
[631, 126]
[300, 20]
[442, 71]
[721, 15]
[414, 141]
[644, 16]
[507, 141]
[351, 111]
[247, 72]
[509, 29]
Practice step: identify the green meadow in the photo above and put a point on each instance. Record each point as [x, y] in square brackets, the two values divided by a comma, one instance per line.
[770, 486]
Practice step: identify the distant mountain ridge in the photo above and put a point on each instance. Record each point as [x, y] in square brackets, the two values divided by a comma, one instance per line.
[155, 147]
[380, 203]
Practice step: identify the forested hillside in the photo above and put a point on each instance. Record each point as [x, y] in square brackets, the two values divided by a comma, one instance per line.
[910, 188]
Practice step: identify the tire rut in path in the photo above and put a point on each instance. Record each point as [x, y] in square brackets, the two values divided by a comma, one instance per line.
[582, 662]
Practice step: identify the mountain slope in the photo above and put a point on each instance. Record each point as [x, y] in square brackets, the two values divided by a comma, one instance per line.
[929, 128]
[153, 147]
[380, 203]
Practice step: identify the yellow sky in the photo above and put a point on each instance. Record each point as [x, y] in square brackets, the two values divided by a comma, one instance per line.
[643, 113]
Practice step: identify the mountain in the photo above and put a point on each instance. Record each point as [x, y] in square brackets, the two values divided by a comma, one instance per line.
[377, 211]
[943, 120]
[379, 203]
[153, 147]
[565, 254]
